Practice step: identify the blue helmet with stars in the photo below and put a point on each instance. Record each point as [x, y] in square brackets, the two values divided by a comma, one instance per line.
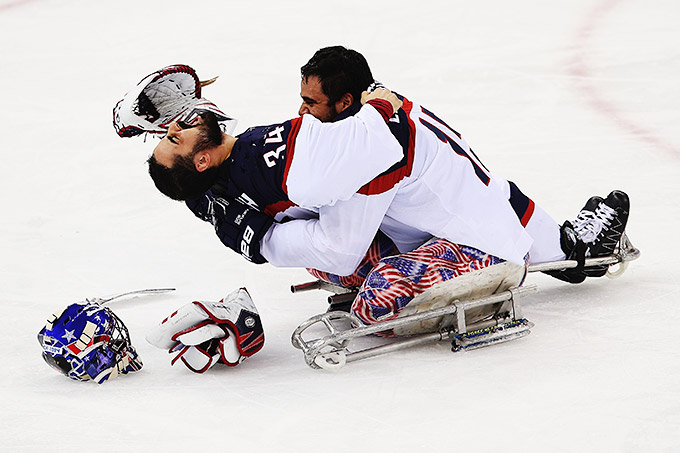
[88, 342]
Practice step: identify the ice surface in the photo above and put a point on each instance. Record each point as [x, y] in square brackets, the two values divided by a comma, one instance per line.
[568, 99]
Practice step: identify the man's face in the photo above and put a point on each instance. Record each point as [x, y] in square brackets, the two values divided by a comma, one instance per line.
[178, 141]
[186, 140]
[314, 101]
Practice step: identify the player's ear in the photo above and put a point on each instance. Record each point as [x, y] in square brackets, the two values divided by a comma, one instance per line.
[345, 101]
[202, 161]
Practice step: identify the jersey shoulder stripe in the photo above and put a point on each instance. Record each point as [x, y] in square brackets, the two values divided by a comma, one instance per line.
[257, 167]
[292, 135]
[404, 130]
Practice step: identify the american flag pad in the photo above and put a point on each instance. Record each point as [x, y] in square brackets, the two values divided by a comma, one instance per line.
[440, 291]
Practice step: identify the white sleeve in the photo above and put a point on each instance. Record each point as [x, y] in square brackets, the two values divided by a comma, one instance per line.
[335, 242]
[332, 161]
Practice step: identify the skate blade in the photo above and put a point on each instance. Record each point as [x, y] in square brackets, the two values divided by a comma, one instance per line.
[492, 335]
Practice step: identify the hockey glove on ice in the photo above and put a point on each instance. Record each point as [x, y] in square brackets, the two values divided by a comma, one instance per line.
[238, 226]
[201, 334]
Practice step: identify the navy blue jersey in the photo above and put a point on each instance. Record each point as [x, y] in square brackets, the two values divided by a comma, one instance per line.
[256, 170]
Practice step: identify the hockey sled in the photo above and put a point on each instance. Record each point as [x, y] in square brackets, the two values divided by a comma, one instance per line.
[501, 321]
[332, 351]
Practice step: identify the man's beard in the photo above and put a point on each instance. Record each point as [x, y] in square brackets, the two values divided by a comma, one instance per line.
[333, 112]
[210, 133]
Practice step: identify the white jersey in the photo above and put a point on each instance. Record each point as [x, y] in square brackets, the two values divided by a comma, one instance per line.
[435, 186]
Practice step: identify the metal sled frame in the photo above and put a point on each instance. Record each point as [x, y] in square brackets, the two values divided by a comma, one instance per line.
[624, 253]
[331, 351]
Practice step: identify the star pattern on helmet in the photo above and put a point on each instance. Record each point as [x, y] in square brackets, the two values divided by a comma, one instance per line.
[68, 335]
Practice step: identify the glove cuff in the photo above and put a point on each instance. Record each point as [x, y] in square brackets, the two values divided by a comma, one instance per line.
[257, 225]
[384, 107]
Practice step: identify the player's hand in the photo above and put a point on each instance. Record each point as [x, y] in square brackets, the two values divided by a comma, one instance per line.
[382, 93]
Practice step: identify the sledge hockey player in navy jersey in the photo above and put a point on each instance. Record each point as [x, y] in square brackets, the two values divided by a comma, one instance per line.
[224, 178]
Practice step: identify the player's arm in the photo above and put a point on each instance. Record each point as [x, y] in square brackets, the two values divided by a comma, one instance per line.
[332, 161]
[335, 242]
[348, 222]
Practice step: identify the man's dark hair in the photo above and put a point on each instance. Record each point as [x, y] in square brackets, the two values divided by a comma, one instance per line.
[340, 71]
[182, 181]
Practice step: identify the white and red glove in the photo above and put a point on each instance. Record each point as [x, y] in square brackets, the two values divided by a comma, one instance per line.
[201, 334]
[170, 94]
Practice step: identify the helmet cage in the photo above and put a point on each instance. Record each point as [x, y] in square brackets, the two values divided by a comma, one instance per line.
[88, 342]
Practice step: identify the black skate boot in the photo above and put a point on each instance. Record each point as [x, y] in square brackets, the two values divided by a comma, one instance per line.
[595, 233]
[572, 245]
[602, 233]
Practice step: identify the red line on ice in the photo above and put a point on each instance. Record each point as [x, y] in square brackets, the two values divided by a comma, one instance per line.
[15, 4]
[584, 81]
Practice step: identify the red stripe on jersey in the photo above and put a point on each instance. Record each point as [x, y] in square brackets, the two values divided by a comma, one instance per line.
[383, 106]
[528, 213]
[290, 149]
[280, 206]
[384, 182]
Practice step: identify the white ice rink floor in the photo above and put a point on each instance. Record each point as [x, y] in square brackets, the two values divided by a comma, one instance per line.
[568, 99]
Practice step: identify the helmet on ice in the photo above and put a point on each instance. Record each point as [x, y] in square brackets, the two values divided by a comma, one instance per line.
[88, 342]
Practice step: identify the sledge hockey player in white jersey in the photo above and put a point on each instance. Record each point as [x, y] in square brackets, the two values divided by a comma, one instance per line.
[331, 80]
